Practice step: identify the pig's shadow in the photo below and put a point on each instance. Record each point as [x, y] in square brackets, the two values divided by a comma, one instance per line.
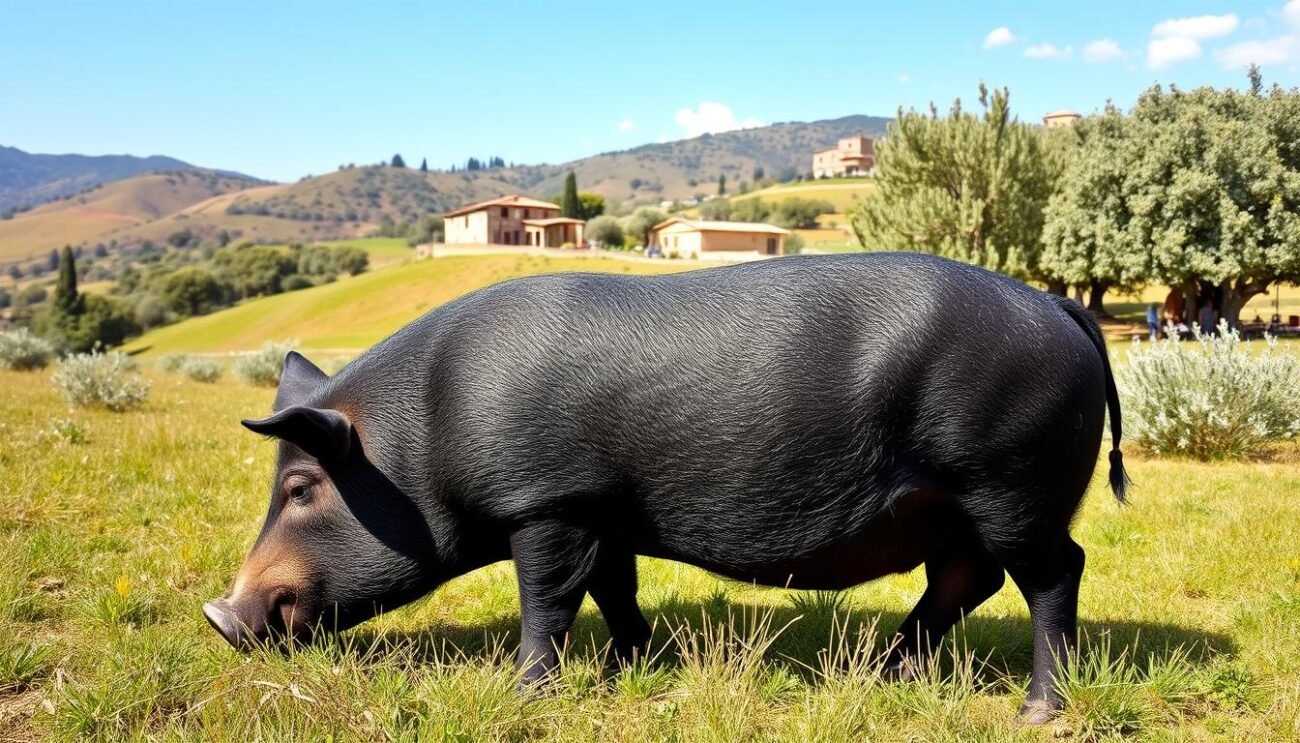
[806, 626]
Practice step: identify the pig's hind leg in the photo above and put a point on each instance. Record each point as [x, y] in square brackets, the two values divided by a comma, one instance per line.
[613, 587]
[960, 576]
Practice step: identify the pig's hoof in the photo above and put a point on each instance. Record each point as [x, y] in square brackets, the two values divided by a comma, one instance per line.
[1037, 712]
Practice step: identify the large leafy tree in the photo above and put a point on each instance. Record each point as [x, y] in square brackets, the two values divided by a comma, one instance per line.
[1219, 206]
[1196, 189]
[1086, 235]
[969, 186]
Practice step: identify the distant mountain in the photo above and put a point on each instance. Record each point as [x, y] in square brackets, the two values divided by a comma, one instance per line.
[27, 180]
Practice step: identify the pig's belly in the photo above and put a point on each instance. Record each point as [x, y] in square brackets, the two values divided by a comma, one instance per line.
[895, 541]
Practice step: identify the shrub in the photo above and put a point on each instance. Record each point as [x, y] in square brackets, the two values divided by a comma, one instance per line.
[1210, 398]
[606, 232]
[264, 366]
[106, 380]
[22, 351]
[294, 282]
[201, 369]
[172, 362]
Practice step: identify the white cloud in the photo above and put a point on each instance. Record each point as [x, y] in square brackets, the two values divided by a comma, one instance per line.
[906, 79]
[626, 125]
[1049, 51]
[1163, 52]
[999, 36]
[1198, 27]
[711, 118]
[1281, 50]
[663, 138]
[1104, 50]
[1284, 49]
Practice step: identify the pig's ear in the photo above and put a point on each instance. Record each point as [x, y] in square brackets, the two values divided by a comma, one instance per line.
[321, 432]
[299, 379]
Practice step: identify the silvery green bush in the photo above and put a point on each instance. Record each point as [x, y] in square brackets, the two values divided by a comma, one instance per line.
[198, 368]
[264, 366]
[22, 351]
[106, 380]
[201, 369]
[1209, 398]
[172, 362]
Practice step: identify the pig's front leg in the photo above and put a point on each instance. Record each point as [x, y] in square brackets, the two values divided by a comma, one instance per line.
[554, 561]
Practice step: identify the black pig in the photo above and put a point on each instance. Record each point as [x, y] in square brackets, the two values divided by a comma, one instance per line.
[811, 422]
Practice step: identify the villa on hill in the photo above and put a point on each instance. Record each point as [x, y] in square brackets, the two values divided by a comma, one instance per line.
[1060, 118]
[851, 156]
[511, 220]
[734, 241]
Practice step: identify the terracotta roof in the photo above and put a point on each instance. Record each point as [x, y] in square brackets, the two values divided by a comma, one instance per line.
[553, 220]
[511, 200]
[701, 225]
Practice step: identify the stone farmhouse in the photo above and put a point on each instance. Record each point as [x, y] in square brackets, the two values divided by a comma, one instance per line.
[851, 156]
[512, 220]
[701, 239]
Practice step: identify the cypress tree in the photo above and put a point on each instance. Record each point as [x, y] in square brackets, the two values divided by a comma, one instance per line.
[67, 300]
[397, 162]
[722, 185]
[424, 165]
[570, 206]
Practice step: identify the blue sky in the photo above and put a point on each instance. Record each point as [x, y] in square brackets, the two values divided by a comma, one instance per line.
[286, 89]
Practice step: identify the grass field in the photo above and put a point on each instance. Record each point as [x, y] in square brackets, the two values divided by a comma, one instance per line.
[355, 312]
[116, 527]
[842, 193]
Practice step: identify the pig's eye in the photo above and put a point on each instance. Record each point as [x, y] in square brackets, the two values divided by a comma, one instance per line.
[300, 493]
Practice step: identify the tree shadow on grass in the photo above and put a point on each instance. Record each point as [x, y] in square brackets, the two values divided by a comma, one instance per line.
[802, 631]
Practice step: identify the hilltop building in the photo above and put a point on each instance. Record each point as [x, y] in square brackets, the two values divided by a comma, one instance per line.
[734, 241]
[511, 220]
[851, 156]
[1060, 118]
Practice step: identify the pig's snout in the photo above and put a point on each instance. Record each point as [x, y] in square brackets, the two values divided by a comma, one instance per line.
[246, 627]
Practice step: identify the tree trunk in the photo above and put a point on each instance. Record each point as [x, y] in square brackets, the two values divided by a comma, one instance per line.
[1235, 298]
[1078, 293]
[1097, 290]
[1056, 287]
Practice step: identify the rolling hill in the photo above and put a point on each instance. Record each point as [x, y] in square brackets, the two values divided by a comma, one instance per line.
[353, 313]
[353, 201]
[28, 179]
[98, 213]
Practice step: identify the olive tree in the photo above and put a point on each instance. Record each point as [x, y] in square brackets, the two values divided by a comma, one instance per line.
[969, 186]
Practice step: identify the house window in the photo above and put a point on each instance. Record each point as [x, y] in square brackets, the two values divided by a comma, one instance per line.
[504, 212]
[771, 246]
[526, 216]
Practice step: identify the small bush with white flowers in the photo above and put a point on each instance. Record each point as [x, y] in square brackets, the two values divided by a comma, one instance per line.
[1209, 398]
[22, 351]
[264, 366]
[104, 380]
[201, 369]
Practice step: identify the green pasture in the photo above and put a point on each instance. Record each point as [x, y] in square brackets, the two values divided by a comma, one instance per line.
[116, 527]
[354, 312]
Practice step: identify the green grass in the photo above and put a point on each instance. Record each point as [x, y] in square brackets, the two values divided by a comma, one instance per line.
[113, 538]
[355, 312]
[842, 193]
